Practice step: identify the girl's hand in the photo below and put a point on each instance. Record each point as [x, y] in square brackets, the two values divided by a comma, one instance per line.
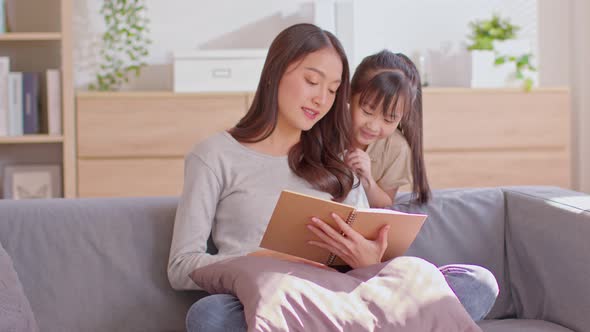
[351, 247]
[360, 162]
[286, 257]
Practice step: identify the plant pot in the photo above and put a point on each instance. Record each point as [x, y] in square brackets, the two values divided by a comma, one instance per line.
[485, 74]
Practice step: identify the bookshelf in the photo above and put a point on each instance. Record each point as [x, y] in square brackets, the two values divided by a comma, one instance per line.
[40, 38]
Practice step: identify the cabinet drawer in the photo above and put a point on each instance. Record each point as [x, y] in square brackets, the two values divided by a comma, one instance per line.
[152, 126]
[130, 177]
[498, 168]
[498, 120]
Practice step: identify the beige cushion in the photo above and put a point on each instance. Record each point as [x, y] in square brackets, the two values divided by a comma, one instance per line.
[404, 294]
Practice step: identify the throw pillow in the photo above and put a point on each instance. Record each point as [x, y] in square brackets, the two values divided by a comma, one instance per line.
[15, 311]
[404, 294]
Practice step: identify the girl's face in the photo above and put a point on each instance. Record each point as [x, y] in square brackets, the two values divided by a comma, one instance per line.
[308, 88]
[369, 124]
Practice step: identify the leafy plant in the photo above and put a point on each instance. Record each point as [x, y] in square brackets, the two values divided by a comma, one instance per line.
[125, 43]
[522, 63]
[486, 32]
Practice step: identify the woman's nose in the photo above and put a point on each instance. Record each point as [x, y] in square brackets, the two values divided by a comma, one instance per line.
[320, 98]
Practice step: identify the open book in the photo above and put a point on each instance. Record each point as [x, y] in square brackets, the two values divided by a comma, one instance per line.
[287, 232]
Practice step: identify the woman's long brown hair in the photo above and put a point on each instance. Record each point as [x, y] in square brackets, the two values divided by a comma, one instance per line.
[317, 157]
[377, 75]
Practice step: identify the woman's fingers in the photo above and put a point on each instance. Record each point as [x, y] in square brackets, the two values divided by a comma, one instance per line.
[327, 234]
[345, 228]
[383, 236]
[328, 247]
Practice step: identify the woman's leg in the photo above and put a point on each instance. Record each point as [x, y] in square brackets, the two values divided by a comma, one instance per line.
[219, 312]
[475, 286]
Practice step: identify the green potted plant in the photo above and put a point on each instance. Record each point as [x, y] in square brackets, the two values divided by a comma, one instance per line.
[493, 44]
[125, 43]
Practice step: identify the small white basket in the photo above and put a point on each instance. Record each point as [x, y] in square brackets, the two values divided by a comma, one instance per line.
[218, 70]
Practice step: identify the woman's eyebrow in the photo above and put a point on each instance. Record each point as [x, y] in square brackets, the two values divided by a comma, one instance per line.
[321, 73]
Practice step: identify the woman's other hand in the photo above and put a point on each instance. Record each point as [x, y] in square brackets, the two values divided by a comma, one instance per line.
[354, 249]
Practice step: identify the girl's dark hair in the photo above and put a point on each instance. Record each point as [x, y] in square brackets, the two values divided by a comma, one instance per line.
[317, 157]
[377, 78]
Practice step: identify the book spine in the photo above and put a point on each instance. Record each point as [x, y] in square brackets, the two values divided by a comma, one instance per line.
[53, 102]
[349, 221]
[3, 16]
[4, 71]
[31, 103]
[15, 108]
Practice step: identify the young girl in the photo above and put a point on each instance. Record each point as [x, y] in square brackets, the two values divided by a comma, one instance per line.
[293, 137]
[386, 107]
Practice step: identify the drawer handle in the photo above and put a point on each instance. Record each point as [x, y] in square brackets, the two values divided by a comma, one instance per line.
[221, 73]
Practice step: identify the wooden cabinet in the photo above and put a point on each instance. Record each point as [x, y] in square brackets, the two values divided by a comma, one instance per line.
[133, 144]
[492, 137]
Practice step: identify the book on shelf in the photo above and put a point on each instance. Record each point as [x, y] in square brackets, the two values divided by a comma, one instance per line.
[31, 107]
[287, 232]
[3, 23]
[30, 102]
[4, 71]
[15, 107]
[52, 102]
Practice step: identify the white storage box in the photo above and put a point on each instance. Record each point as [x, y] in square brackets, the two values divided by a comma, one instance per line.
[218, 70]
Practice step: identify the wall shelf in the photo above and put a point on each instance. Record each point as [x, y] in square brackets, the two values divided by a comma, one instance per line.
[26, 139]
[30, 36]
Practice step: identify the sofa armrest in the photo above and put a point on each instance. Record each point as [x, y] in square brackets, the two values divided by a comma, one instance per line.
[548, 248]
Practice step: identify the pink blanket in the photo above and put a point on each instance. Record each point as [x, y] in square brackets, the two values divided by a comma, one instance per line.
[404, 294]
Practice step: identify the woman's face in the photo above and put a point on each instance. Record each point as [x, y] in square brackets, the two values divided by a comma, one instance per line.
[308, 88]
[369, 124]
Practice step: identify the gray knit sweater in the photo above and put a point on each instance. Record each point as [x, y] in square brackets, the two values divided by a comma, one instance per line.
[229, 192]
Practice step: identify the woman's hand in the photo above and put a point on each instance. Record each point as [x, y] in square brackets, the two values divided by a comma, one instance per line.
[360, 162]
[350, 246]
[286, 257]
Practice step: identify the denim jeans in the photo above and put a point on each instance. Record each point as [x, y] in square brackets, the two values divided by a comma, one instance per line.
[474, 285]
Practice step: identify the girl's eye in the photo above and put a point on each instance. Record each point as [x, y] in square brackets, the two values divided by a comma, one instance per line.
[389, 121]
[366, 112]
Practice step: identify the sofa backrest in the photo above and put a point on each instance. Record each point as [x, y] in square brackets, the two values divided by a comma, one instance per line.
[465, 226]
[548, 254]
[96, 264]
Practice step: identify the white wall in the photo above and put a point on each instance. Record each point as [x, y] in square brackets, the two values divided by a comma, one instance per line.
[186, 24]
[436, 27]
[554, 33]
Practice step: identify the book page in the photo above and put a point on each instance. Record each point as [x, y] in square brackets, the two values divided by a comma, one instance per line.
[387, 211]
[287, 232]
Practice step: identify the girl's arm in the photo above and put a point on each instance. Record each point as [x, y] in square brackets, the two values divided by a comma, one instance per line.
[378, 197]
[360, 162]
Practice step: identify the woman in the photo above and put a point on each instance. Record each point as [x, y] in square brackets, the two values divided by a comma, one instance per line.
[293, 137]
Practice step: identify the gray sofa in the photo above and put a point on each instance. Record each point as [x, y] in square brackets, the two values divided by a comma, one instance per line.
[100, 264]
